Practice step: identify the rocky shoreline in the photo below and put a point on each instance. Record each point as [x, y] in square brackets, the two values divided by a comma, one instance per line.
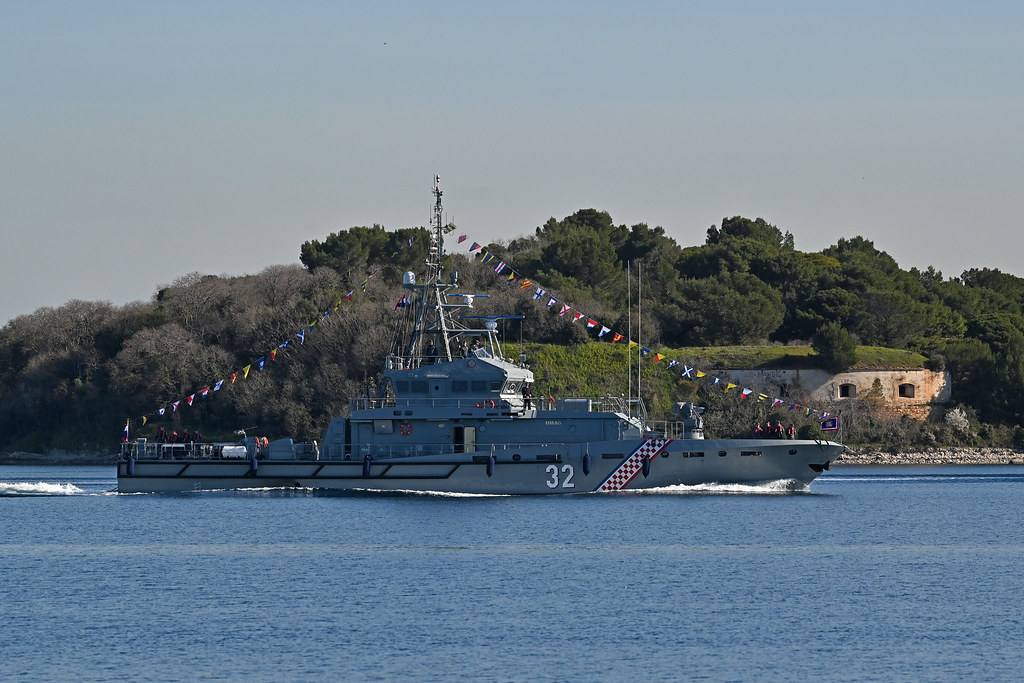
[935, 456]
[853, 456]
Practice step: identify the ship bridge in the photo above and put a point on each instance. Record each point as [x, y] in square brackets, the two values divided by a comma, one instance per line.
[480, 377]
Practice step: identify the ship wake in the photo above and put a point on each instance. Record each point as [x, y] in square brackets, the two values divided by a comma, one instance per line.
[777, 487]
[38, 489]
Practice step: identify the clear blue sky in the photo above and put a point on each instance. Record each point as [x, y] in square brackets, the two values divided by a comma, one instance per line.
[140, 141]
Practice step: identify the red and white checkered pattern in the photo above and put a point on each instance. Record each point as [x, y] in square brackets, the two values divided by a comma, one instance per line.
[620, 478]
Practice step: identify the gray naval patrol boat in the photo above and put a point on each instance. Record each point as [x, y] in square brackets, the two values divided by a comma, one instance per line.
[447, 423]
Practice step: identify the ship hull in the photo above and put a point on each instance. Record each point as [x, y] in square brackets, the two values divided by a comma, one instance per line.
[571, 468]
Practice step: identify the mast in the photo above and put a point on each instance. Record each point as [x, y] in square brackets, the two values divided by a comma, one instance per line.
[434, 262]
[430, 326]
[435, 330]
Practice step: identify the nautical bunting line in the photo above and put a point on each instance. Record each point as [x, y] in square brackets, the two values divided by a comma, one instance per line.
[275, 353]
[687, 372]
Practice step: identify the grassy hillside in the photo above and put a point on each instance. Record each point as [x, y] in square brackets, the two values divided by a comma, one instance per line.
[602, 369]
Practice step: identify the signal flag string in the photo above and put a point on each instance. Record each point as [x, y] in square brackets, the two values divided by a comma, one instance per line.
[685, 371]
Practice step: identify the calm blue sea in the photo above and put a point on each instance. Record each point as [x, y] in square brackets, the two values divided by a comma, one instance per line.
[880, 574]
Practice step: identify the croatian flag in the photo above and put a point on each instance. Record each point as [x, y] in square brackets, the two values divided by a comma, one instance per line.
[831, 424]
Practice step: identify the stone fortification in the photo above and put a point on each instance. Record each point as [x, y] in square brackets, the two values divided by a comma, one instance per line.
[915, 392]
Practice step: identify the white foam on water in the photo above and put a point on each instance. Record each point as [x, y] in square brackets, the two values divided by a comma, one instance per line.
[437, 494]
[38, 489]
[780, 486]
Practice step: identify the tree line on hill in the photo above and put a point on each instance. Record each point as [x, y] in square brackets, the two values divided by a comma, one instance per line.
[70, 375]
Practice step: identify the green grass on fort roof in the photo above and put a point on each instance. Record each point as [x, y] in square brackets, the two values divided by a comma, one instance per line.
[599, 369]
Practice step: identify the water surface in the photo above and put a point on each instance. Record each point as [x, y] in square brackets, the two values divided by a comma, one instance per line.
[897, 573]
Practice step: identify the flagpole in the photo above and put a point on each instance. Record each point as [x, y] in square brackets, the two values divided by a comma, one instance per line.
[629, 335]
[639, 320]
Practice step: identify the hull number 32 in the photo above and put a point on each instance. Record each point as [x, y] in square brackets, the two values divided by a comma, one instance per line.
[566, 477]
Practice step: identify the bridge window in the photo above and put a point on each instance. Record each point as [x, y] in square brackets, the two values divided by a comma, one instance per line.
[460, 386]
[906, 391]
[847, 391]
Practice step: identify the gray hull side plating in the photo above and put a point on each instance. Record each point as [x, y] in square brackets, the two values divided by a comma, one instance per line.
[587, 467]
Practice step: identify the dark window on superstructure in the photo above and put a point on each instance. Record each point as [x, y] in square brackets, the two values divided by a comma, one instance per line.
[847, 391]
[402, 387]
[496, 387]
[460, 386]
[906, 391]
[479, 386]
[419, 386]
